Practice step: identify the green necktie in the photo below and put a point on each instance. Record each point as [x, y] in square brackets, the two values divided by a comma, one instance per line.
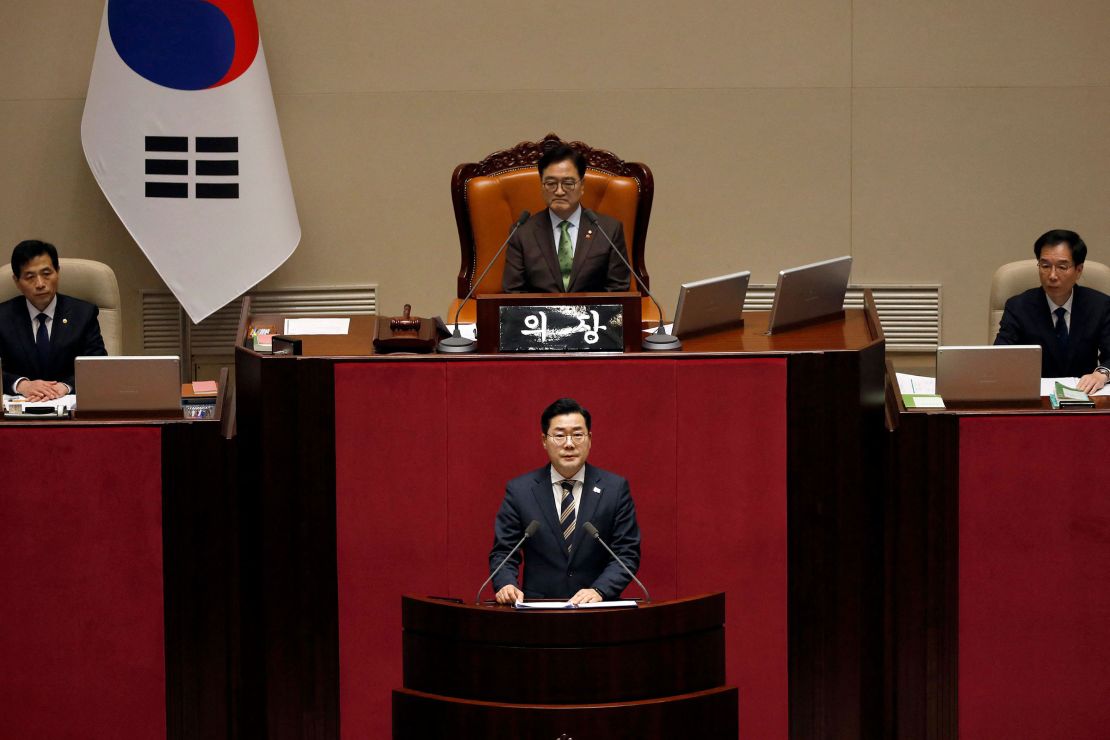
[566, 253]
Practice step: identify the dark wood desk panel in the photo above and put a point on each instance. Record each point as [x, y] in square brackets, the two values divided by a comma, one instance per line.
[119, 581]
[855, 331]
[834, 430]
[693, 715]
[996, 618]
[488, 667]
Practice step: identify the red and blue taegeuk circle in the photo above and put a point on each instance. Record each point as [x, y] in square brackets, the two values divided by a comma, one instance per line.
[185, 44]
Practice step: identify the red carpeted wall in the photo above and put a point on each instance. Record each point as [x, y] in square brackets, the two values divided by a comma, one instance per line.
[1034, 583]
[82, 641]
[423, 451]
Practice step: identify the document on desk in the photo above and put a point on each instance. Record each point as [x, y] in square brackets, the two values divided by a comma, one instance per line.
[57, 407]
[567, 605]
[913, 385]
[1048, 386]
[306, 327]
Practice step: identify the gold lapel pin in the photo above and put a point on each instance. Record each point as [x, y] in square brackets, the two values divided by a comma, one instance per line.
[589, 234]
[65, 321]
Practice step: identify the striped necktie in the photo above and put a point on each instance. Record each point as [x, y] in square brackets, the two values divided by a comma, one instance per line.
[566, 511]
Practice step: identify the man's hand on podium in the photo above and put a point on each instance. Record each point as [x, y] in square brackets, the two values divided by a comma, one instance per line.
[586, 596]
[509, 594]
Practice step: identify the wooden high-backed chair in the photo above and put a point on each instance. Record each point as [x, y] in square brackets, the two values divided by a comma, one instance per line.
[489, 196]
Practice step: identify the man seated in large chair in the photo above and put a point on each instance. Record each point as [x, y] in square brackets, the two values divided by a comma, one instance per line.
[558, 250]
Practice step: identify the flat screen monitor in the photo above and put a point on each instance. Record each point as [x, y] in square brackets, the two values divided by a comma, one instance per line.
[1004, 373]
[809, 293]
[711, 304]
[128, 384]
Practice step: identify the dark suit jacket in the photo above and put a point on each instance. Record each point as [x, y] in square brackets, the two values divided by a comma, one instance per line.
[532, 263]
[548, 571]
[1027, 320]
[75, 333]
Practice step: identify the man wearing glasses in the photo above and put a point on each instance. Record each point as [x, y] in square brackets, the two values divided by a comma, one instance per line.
[1070, 322]
[557, 251]
[560, 560]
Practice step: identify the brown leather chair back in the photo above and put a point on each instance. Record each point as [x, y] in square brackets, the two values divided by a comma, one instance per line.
[489, 196]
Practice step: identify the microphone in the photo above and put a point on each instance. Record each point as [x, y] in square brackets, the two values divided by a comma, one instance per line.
[660, 340]
[531, 529]
[457, 343]
[591, 530]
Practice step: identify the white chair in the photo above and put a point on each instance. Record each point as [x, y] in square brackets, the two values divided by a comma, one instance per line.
[90, 281]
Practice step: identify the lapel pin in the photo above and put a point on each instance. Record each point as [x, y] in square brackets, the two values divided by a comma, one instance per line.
[590, 235]
[597, 490]
[65, 321]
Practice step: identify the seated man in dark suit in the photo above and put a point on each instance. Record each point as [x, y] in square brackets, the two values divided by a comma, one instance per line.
[1070, 322]
[43, 331]
[557, 251]
[561, 561]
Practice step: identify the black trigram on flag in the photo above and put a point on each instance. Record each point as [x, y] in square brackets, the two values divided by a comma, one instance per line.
[163, 165]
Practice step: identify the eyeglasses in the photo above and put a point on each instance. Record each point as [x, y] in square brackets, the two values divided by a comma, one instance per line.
[567, 183]
[576, 438]
[1061, 267]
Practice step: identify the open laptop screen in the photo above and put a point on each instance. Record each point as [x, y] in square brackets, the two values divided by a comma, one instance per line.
[128, 384]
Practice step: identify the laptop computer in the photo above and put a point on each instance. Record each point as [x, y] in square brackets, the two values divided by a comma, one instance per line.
[713, 303]
[809, 293]
[1005, 373]
[128, 385]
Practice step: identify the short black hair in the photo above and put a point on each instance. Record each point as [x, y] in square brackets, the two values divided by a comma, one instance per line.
[560, 407]
[561, 153]
[27, 250]
[1057, 237]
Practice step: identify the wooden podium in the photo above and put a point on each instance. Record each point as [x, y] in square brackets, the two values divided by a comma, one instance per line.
[494, 672]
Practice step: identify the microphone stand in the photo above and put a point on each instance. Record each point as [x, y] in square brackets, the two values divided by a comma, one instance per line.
[457, 343]
[659, 340]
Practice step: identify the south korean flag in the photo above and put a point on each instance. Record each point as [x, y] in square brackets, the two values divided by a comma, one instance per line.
[181, 134]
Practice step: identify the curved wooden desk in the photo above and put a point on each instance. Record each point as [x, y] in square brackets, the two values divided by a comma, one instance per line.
[654, 671]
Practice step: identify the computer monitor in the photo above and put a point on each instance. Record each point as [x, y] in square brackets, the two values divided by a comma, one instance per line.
[128, 385]
[809, 293]
[711, 304]
[1004, 373]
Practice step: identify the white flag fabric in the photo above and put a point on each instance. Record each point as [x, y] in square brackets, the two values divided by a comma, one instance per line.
[180, 132]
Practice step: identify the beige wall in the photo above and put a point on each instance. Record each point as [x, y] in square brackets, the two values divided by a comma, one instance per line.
[930, 140]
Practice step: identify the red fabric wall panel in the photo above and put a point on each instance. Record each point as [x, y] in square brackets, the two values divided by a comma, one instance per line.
[495, 436]
[391, 523]
[701, 442]
[1034, 584]
[732, 521]
[82, 637]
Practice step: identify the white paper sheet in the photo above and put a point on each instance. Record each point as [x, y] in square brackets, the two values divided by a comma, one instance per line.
[306, 327]
[915, 384]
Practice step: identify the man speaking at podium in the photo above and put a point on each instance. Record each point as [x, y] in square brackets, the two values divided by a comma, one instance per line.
[42, 331]
[557, 250]
[1070, 322]
[561, 561]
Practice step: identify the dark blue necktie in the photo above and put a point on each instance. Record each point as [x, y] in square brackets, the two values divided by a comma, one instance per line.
[1061, 327]
[42, 342]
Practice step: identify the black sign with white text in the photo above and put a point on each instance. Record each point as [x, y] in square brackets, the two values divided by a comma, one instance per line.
[593, 328]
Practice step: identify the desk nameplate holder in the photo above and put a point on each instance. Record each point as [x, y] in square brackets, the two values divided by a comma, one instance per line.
[554, 322]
